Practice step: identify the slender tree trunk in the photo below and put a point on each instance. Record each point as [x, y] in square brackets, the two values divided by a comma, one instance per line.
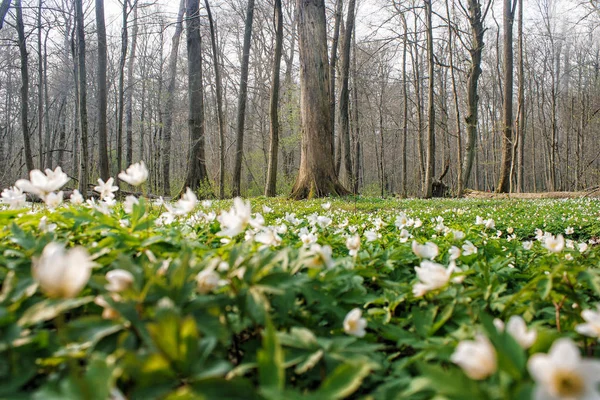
[83, 119]
[430, 154]
[357, 147]
[243, 97]
[102, 92]
[507, 120]
[49, 143]
[129, 91]
[4, 6]
[219, 93]
[404, 109]
[170, 101]
[121, 90]
[24, 87]
[344, 131]
[316, 177]
[521, 104]
[40, 93]
[197, 176]
[271, 187]
[339, 6]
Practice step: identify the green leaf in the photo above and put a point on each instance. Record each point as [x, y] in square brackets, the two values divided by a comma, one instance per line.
[49, 309]
[271, 373]
[343, 381]
[423, 320]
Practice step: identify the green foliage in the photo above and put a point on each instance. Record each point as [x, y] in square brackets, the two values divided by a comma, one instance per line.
[273, 326]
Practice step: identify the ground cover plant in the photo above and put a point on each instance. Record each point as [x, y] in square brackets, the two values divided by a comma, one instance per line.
[358, 298]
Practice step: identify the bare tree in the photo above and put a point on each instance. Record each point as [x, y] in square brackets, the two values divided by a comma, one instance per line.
[242, 99]
[430, 153]
[4, 6]
[24, 87]
[102, 92]
[271, 186]
[316, 177]
[130, 86]
[83, 119]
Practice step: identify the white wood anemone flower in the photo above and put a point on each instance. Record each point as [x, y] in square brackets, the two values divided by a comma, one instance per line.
[477, 358]
[118, 280]
[428, 250]
[432, 276]
[106, 189]
[135, 175]
[555, 244]
[591, 327]
[517, 328]
[353, 245]
[62, 273]
[563, 374]
[354, 324]
[42, 184]
[14, 197]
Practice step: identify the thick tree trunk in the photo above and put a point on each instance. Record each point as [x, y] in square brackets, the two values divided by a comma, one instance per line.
[219, 93]
[472, 118]
[521, 105]
[102, 92]
[197, 177]
[24, 87]
[170, 101]
[507, 112]
[271, 186]
[129, 91]
[243, 97]
[430, 153]
[344, 131]
[316, 177]
[83, 119]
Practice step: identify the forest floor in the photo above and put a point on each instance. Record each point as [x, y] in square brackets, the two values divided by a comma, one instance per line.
[590, 193]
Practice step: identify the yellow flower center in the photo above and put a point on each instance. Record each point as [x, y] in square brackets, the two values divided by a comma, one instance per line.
[567, 384]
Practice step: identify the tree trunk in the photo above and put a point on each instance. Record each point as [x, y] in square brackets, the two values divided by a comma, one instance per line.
[241, 111]
[170, 101]
[83, 120]
[430, 153]
[339, 6]
[4, 6]
[404, 109]
[344, 131]
[219, 93]
[521, 105]
[102, 92]
[197, 177]
[129, 91]
[472, 118]
[316, 177]
[507, 120]
[121, 91]
[24, 87]
[271, 186]
[40, 93]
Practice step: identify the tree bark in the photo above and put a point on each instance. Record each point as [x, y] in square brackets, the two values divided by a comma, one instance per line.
[4, 6]
[430, 153]
[219, 93]
[102, 92]
[83, 119]
[24, 87]
[170, 101]
[129, 91]
[316, 177]
[344, 132]
[507, 112]
[271, 186]
[243, 97]
[197, 176]
[40, 93]
[121, 91]
[339, 6]
[521, 105]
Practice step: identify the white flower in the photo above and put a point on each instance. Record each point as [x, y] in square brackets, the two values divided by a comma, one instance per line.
[207, 281]
[458, 235]
[41, 184]
[372, 235]
[354, 324]
[568, 257]
[129, 202]
[268, 237]
[428, 250]
[108, 202]
[185, 205]
[291, 218]
[44, 226]
[517, 328]
[404, 236]
[267, 209]
[235, 221]
[308, 238]
[489, 223]
[326, 206]
[76, 198]
[402, 221]
[569, 230]
[62, 273]
[554, 243]
[323, 254]
[469, 248]
[479, 220]
[591, 327]
[353, 245]
[563, 375]
[454, 252]
[476, 358]
[106, 189]
[53, 200]
[431, 276]
[118, 280]
[418, 223]
[14, 197]
[582, 247]
[135, 175]
[528, 245]
[323, 221]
